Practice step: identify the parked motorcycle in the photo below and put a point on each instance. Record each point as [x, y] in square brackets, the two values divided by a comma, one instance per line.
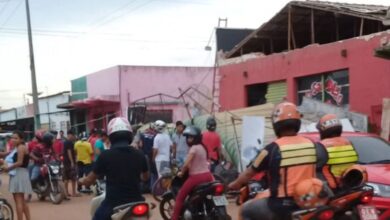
[129, 211]
[207, 201]
[49, 183]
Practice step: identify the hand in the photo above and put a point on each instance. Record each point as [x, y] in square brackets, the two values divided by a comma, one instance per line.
[234, 185]
[72, 166]
[180, 174]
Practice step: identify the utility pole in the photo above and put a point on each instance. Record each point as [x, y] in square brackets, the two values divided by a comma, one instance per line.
[37, 123]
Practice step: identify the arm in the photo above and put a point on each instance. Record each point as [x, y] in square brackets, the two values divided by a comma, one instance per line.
[19, 161]
[69, 154]
[88, 180]
[155, 151]
[243, 178]
[174, 146]
[3, 154]
[187, 163]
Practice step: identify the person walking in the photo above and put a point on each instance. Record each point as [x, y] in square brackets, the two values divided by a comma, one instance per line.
[99, 145]
[180, 147]
[84, 154]
[19, 183]
[70, 170]
[146, 146]
[161, 148]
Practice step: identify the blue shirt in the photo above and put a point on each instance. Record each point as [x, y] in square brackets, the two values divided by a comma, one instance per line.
[99, 145]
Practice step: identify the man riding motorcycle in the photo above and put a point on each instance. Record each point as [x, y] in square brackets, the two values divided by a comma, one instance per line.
[341, 153]
[38, 151]
[287, 161]
[123, 166]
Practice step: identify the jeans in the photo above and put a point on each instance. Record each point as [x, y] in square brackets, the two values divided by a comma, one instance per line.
[83, 169]
[34, 171]
[104, 212]
[256, 209]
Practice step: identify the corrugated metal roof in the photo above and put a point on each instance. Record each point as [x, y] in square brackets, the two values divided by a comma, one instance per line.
[377, 12]
[366, 11]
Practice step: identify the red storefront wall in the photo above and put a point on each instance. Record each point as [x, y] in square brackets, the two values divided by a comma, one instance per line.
[369, 76]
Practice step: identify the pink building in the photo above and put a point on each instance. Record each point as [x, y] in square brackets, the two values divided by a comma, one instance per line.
[141, 93]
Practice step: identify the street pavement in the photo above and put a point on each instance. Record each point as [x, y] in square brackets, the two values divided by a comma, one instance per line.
[74, 209]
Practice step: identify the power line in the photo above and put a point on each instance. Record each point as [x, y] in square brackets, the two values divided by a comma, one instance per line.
[4, 6]
[11, 15]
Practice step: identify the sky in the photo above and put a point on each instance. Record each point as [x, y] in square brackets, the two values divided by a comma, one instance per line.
[79, 37]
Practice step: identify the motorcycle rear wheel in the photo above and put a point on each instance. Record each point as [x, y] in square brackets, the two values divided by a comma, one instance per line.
[166, 207]
[57, 194]
[6, 210]
[221, 214]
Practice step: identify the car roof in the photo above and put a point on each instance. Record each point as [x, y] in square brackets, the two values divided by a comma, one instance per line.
[316, 135]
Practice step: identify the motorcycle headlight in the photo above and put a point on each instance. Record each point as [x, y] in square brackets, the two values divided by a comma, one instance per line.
[380, 190]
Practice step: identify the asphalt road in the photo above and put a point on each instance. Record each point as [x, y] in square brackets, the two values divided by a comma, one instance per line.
[75, 209]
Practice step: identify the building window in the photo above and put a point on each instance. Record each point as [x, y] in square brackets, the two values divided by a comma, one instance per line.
[331, 87]
[256, 94]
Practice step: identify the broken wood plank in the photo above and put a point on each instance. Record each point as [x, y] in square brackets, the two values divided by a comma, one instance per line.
[361, 26]
[312, 30]
[385, 131]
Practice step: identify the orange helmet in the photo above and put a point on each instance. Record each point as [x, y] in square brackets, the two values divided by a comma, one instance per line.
[329, 126]
[310, 193]
[286, 115]
[354, 176]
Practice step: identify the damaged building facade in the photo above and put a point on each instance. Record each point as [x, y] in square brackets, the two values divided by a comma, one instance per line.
[329, 52]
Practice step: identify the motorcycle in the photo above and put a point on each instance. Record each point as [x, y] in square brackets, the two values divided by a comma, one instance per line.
[206, 201]
[49, 183]
[129, 211]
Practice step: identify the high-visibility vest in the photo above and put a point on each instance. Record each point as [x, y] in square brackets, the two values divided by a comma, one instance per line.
[341, 155]
[298, 162]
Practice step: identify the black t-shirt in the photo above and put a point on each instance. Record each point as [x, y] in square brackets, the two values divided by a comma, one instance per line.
[68, 145]
[122, 167]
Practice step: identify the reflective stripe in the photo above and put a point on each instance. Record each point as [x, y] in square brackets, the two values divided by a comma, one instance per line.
[342, 154]
[298, 153]
[289, 147]
[338, 170]
[298, 161]
[343, 160]
[340, 148]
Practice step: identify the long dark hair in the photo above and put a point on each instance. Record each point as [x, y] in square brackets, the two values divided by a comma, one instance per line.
[20, 134]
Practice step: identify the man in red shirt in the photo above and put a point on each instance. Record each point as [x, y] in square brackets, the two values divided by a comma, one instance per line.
[58, 144]
[212, 141]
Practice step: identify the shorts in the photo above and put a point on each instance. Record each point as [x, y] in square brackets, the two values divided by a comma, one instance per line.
[69, 173]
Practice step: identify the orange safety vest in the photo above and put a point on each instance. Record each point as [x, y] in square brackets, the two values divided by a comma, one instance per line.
[298, 162]
[341, 155]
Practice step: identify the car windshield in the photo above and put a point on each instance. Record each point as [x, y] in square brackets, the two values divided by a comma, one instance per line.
[371, 150]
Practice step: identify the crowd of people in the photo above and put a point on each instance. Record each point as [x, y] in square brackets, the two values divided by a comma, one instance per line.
[130, 162]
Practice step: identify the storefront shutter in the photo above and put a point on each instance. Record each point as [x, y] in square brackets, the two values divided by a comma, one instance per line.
[276, 92]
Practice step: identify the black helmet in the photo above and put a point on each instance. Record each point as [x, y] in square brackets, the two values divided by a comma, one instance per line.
[47, 139]
[211, 124]
[195, 132]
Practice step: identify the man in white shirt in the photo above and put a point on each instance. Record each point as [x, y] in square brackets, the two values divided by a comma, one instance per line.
[161, 147]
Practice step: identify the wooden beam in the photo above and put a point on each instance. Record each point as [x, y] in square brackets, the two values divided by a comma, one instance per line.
[293, 37]
[271, 43]
[361, 27]
[385, 132]
[289, 28]
[312, 30]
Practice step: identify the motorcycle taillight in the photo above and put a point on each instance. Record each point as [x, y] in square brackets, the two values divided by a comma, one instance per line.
[326, 215]
[140, 210]
[219, 189]
[366, 197]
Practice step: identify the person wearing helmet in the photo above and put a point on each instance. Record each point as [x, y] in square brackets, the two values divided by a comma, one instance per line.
[196, 165]
[123, 166]
[341, 153]
[146, 146]
[212, 141]
[286, 161]
[162, 145]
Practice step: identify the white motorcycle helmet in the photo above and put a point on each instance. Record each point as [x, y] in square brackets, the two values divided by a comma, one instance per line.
[119, 129]
[159, 125]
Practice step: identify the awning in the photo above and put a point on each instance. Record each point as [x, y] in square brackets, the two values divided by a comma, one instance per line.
[90, 102]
